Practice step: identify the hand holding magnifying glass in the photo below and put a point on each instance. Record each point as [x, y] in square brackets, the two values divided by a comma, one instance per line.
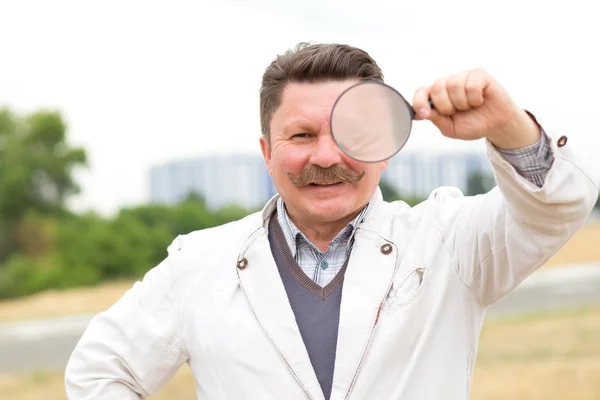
[371, 121]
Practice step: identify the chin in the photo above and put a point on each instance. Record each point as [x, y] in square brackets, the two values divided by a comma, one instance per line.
[333, 210]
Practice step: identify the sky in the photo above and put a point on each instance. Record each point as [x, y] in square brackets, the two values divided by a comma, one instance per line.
[142, 83]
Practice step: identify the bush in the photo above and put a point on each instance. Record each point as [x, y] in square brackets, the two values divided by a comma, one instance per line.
[79, 250]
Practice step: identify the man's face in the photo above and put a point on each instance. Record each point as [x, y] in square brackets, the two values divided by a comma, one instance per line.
[317, 181]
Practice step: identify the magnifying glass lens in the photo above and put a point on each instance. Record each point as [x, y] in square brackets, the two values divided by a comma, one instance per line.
[371, 121]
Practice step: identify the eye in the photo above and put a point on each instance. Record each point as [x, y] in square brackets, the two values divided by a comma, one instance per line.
[301, 136]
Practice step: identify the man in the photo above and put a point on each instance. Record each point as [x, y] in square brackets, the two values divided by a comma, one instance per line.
[330, 292]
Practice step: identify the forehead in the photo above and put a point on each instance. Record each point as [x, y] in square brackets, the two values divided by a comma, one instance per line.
[307, 103]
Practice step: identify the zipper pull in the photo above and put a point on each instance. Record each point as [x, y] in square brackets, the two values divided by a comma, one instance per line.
[378, 312]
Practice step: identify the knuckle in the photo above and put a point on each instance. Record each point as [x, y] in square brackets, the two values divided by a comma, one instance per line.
[421, 93]
[438, 86]
[455, 84]
[477, 100]
[461, 103]
[472, 87]
[444, 107]
[437, 90]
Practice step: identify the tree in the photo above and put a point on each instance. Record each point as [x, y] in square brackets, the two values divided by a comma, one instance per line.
[388, 192]
[36, 170]
[479, 183]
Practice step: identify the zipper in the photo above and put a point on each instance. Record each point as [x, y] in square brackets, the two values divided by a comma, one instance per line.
[273, 343]
[360, 363]
[362, 358]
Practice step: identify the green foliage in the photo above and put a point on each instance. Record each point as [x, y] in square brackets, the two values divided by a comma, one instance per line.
[36, 164]
[76, 250]
[36, 168]
[389, 193]
[479, 183]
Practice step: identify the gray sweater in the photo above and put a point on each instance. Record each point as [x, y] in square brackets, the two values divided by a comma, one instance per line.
[317, 309]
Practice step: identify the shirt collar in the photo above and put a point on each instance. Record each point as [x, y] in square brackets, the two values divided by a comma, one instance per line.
[293, 234]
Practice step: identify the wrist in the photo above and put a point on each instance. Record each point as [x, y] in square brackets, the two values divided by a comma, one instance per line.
[519, 132]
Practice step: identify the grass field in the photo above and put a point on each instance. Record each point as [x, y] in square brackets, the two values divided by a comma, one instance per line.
[583, 247]
[549, 357]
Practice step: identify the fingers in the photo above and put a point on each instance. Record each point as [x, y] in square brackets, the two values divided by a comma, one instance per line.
[457, 93]
[421, 104]
[452, 94]
[441, 98]
[477, 82]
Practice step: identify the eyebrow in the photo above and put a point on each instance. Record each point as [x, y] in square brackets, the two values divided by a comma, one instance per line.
[299, 124]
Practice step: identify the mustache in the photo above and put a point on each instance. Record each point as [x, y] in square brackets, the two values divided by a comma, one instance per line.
[325, 176]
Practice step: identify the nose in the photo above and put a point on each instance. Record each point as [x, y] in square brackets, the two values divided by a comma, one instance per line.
[326, 152]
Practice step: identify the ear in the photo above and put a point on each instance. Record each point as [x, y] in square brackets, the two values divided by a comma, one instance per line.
[384, 164]
[266, 152]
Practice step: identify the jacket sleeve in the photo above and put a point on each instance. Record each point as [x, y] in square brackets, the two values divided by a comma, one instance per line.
[499, 238]
[131, 350]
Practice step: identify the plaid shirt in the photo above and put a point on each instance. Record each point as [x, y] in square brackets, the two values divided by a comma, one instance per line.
[532, 162]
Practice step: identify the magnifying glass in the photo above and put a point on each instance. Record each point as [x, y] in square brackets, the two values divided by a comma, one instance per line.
[371, 121]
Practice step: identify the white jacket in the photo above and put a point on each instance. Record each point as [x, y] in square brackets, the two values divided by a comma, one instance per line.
[410, 318]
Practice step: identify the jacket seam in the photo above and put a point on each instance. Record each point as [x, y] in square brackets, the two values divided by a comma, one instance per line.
[161, 366]
[178, 310]
[480, 267]
[492, 253]
[176, 346]
[455, 266]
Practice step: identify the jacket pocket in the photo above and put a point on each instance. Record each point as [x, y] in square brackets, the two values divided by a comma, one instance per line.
[405, 290]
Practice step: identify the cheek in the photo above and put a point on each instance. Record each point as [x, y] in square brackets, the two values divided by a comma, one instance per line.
[372, 171]
[372, 174]
[285, 162]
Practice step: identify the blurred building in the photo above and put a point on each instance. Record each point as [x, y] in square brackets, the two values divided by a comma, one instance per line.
[243, 179]
[417, 174]
[220, 179]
